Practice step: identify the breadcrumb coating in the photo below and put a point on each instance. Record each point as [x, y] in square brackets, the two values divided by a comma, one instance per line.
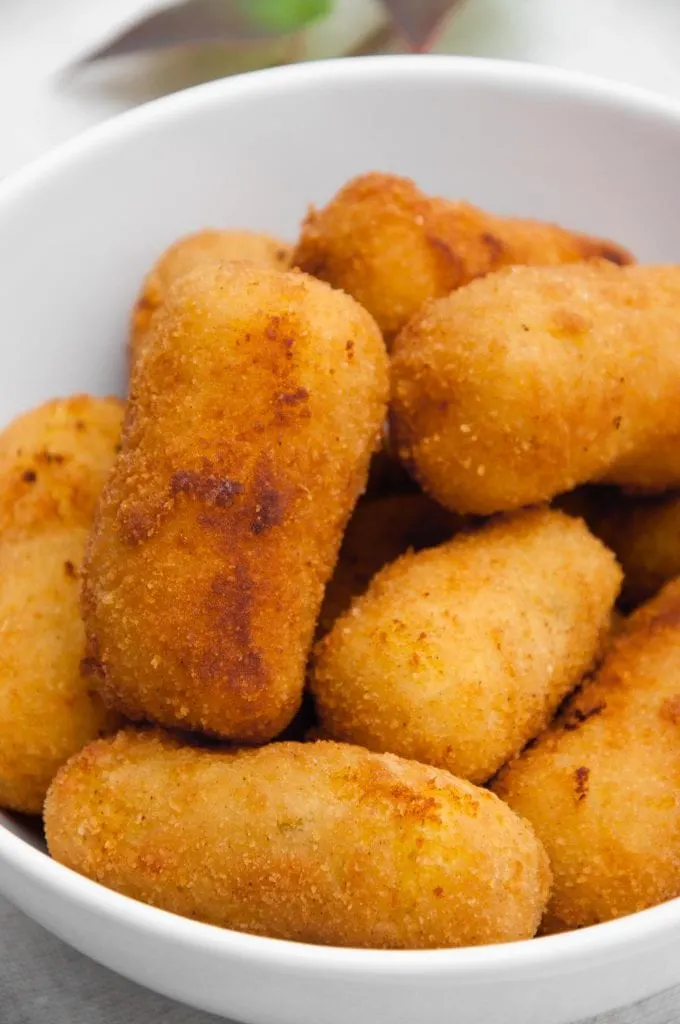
[535, 379]
[186, 254]
[458, 655]
[602, 785]
[53, 463]
[251, 422]
[392, 247]
[322, 842]
[379, 531]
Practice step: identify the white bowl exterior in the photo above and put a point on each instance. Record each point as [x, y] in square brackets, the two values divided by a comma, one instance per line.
[77, 232]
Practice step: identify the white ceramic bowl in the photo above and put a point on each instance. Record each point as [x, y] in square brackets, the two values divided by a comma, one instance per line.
[77, 231]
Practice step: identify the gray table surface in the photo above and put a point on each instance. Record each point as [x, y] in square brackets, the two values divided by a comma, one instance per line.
[42, 981]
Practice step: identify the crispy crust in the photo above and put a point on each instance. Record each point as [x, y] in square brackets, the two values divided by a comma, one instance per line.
[531, 381]
[53, 463]
[379, 531]
[251, 422]
[321, 842]
[602, 785]
[190, 252]
[458, 655]
[392, 247]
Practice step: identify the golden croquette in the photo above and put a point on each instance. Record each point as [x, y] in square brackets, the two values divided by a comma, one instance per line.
[47, 711]
[535, 379]
[53, 463]
[602, 785]
[322, 842]
[458, 655]
[251, 423]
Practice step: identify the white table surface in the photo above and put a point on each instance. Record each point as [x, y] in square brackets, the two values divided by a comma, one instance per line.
[638, 41]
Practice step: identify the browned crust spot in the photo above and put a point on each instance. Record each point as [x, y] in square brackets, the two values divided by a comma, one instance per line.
[50, 457]
[136, 525]
[230, 600]
[269, 501]
[211, 489]
[581, 781]
[452, 260]
[293, 397]
[614, 255]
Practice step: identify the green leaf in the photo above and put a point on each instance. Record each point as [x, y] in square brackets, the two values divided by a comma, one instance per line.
[285, 15]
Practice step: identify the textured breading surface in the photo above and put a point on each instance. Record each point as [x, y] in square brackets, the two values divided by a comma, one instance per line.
[643, 532]
[190, 252]
[535, 379]
[47, 711]
[392, 247]
[602, 785]
[458, 655]
[321, 843]
[251, 421]
[53, 463]
[379, 531]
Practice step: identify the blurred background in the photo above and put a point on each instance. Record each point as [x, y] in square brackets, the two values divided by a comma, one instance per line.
[68, 64]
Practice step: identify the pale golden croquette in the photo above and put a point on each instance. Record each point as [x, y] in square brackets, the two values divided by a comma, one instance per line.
[53, 463]
[535, 379]
[321, 842]
[458, 655]
[602, 785]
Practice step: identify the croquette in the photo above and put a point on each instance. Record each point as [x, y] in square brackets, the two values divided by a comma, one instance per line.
[602, 785]
[47, 711]
[533, 380]
[251, 422]
[458, 655]
[53, 463]
[322, 843]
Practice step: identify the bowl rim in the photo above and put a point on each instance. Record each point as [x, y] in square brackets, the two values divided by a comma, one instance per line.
[609, 941]
[531, 77]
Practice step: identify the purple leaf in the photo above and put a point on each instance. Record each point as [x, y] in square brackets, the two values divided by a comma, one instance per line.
[419, 20]
[185, 24]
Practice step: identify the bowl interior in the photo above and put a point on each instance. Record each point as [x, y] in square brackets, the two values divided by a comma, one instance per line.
[78, 230]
